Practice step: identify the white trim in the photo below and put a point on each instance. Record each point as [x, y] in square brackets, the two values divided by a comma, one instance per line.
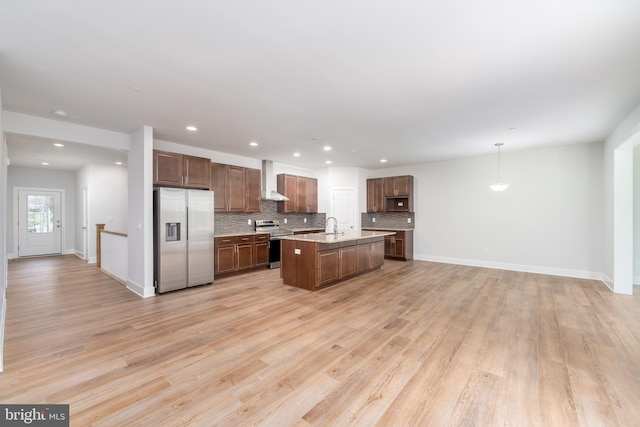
[578, 274]
[140, 290]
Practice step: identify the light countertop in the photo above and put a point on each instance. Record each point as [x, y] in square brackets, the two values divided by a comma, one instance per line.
[340, 237]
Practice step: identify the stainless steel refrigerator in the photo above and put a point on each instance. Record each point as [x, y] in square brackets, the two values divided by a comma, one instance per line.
[183, 238]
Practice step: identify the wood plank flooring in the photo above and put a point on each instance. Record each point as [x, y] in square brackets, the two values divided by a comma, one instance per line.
[415, 344]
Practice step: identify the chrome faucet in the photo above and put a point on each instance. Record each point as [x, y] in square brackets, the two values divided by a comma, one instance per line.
[335, 224]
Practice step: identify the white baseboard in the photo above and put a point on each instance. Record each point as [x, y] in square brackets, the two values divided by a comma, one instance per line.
[607, 281]
[140, 290]
[65, 252]
[578, 274]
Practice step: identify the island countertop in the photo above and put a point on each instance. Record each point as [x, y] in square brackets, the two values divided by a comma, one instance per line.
[342, 236]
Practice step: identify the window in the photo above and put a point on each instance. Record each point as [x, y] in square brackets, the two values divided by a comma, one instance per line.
[39, 214]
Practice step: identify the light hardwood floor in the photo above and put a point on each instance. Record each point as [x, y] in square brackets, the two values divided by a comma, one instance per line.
[415, 344]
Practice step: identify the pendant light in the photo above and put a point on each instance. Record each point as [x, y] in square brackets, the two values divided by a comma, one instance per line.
[499, 185]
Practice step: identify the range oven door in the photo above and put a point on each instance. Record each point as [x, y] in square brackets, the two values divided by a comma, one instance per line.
[274, 252]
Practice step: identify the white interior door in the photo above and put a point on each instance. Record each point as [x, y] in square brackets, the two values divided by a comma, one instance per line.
[344, 208]
[39, 222]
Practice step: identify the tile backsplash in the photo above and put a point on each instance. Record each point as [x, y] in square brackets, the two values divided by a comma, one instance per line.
[231, 222]
[397, 220]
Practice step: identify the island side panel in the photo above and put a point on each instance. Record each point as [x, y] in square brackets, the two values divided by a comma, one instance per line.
[298, 263]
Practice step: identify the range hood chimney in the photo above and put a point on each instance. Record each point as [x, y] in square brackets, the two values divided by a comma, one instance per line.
[269, 183]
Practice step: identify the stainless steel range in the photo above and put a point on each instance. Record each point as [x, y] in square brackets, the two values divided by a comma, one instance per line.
[275, 232]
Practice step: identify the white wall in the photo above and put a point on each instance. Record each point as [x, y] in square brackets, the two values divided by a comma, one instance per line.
[46, 179]
[548, 221]
[3, 233]
[107, 189]
[618, 202]
[140, 213]
[636, 215]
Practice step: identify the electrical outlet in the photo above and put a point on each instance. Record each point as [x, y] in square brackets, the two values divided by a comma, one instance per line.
[249, 221]
[408, 220]
[305, 220]
[296, 251]
[109, 219]
[285, 220]
[373, 219]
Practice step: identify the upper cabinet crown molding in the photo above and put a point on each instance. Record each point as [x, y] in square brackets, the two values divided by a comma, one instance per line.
[181, 170]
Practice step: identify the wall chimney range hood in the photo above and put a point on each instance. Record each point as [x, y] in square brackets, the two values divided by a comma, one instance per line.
[269, 183]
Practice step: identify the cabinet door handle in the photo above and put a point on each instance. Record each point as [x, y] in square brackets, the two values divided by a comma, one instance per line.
[226, 241]
[245, 238]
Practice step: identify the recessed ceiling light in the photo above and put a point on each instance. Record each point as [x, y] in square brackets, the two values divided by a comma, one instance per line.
[383, 160]
[60, 113]
[118, 163]
[296, 154]
[328, 162]
[134, 89]
[253, 144]
[44, 163]
[58, 144]
[192, 128]
[326, 148]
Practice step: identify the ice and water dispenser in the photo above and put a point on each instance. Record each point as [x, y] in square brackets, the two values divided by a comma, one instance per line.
[173, 232]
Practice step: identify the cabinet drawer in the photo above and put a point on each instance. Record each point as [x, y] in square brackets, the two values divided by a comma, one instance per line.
[232, 240]
[261, 237]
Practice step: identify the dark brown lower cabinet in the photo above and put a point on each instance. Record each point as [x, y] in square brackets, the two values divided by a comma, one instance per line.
[336, 264]
[261, 254]
[313, 265]
[370, 256]
[398, 246]
[240, 252]
[245, 256]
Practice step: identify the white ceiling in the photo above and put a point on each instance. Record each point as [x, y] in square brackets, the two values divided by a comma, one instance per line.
[409, 81]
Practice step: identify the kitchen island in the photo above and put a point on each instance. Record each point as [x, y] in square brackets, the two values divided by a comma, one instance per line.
[313, 261]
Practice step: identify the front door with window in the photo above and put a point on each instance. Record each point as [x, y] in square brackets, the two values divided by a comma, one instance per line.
[39, 223]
